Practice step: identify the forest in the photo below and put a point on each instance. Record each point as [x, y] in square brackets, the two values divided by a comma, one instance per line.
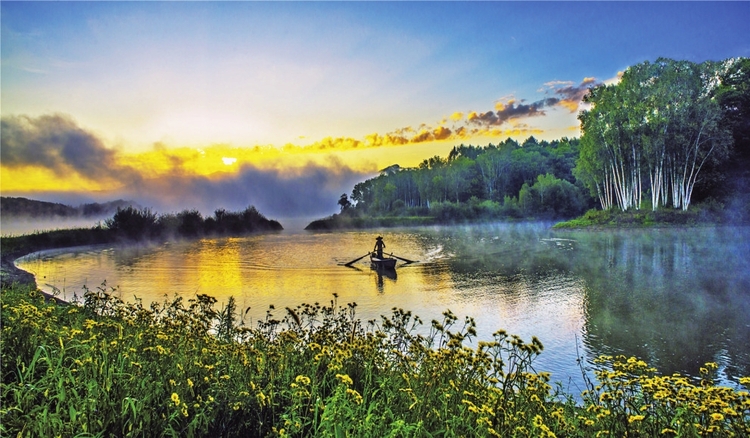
[667, 135]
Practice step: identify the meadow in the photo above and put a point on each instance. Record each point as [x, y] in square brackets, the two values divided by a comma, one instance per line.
[102, 367]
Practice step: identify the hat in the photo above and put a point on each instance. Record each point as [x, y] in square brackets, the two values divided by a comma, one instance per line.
[378, 238]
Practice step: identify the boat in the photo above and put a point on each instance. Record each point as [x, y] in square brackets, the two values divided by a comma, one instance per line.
[385, 263]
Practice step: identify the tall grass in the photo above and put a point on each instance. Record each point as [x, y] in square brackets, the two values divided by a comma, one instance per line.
[184, 368]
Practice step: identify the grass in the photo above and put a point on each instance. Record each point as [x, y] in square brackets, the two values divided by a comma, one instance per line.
[105, 368]
[698, 215]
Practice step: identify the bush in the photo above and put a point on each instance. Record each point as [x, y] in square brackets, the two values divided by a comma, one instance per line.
[133, 223]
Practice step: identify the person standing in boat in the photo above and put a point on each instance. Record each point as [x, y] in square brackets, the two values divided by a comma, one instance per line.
[379, 245]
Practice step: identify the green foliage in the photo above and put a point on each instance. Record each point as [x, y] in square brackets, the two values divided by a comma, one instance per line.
[550, 197]
[133, 223]
[656, 130]
[707, 213]
[455, 188]
[109, 368]
[139, 224]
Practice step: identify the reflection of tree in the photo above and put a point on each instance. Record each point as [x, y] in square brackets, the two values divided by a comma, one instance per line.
[676, 298]
[669, 297]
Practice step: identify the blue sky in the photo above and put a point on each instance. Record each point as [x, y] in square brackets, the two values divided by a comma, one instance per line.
[289, 70]
[142, 76]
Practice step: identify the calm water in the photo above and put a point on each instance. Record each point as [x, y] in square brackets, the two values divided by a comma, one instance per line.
[677, 298]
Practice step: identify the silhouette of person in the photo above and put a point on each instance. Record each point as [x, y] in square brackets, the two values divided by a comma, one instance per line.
[379, 245]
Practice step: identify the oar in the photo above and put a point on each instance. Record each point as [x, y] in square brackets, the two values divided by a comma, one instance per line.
[402, 259]
[356, 260]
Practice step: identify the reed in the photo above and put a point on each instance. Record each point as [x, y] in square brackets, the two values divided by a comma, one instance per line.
[103, 367]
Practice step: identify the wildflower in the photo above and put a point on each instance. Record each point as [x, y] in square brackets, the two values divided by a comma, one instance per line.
[634, 418]
[175, 399]
[190, 383]
[345, 379]
[225, 377]
[717, 416]
[302, 379]
[355, 394]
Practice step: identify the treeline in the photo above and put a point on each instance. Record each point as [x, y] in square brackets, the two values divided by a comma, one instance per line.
[530, 179]
[139, 224]
[22, 207]
[669, 133]
[666, 130]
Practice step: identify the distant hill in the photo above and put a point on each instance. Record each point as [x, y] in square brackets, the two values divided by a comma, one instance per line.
[22, 207]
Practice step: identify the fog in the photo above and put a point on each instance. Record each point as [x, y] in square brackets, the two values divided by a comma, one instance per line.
[292, 189]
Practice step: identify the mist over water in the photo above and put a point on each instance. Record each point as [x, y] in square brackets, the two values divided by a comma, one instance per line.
[676, 298]
[20, 225]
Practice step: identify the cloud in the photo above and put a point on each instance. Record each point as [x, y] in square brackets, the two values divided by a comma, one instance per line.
[169, 180]
[570, 95]
[510, 109]
[57, 143]
[309, 190]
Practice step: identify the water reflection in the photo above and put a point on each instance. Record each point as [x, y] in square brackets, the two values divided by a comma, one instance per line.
[677, 298]
[382, 274]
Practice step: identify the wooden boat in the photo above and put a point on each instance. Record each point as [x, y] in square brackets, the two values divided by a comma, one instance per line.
[382, 263]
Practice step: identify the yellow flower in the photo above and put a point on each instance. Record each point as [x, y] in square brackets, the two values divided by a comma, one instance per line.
[302, 379]
[633, 418]
[190, 383]
[345, 379]
[716, 416]
[356, 395]
[176, 399]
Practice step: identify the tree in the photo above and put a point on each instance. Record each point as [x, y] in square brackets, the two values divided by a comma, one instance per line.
[661, 117]
[344, 202]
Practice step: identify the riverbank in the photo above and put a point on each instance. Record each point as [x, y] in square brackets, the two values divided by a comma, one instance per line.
[338, 222]
[701, 215]
[15, 247]
[182, 370]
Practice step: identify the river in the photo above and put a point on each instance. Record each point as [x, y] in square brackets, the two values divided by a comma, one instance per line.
[676, 298]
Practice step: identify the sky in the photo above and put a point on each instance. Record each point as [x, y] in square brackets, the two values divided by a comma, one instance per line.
[287, 105]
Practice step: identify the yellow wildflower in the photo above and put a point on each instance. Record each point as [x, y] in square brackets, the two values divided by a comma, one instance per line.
[345, 379]
[302, 379]
[175, 399]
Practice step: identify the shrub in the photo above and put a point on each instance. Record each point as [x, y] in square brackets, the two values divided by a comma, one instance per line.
[133, 223]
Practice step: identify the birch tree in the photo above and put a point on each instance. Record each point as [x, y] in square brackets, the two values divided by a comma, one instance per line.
[661, 119]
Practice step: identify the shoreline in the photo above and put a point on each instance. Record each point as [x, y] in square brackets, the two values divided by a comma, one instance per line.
[13, 276]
